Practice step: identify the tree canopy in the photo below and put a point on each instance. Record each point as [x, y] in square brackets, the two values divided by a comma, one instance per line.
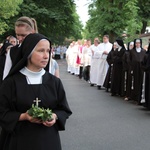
[55, 19]
[115, 17]
[8, 8]
[59, 20]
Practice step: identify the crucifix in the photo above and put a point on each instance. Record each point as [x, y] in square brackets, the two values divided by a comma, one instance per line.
[37, 101]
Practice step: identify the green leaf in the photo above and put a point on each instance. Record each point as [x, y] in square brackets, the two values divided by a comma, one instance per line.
[41, 113]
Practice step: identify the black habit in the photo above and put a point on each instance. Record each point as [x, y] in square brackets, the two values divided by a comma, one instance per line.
[117, 84]
[136, 59]
[107, 82]
[146, 68]
[128, 75]
[16, 97]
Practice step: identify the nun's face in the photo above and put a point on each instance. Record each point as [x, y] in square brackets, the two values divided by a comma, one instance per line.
[40, 56]
[115, 46]
[138, 44]
[131, 47]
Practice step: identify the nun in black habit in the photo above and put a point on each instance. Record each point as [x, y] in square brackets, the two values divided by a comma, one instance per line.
[146, 68]
[117, 82]
[26, 82]
[136, 56]
[107, 82]
[127, 69]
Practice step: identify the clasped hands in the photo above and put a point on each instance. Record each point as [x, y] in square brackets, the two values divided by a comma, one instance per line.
[26, 116]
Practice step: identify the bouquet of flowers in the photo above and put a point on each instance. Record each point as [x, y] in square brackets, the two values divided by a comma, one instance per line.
[40, 113]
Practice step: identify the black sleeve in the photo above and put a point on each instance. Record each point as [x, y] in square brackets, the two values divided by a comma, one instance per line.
[8, 116]
[62, 111]
[109, 58]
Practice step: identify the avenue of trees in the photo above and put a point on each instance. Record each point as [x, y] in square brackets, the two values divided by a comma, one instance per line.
[116, 17]
[57, 19]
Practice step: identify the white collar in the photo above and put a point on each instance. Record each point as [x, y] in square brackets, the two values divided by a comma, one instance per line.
[33, 77]
[119, 48]
[138, 49]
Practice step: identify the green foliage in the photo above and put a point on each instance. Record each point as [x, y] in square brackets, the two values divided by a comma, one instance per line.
[115, 17]
[133, 23]
[144, 9]
[8, 8]
[144, 13]
[55, 19]
[40, 113]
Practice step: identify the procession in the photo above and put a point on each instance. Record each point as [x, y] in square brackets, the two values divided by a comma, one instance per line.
[120, 69]
[74, 75]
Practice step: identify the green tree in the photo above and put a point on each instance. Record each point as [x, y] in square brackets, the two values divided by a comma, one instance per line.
[55, 19]
[114, 17]
[144, 13]
[8, 8]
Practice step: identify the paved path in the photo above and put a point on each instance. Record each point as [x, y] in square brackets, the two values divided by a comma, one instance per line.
[102, 122]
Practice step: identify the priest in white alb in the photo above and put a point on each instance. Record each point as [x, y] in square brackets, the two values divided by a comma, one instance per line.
[94, 62]
[104, 49]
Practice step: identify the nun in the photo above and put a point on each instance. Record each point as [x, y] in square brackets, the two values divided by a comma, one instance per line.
[107, 82]
[136, 57]
[117, 84]
[127, 69]
[26, 82]
[146, 67]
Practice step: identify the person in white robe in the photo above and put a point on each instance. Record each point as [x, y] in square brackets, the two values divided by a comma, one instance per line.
[74, 66]
[79, 57]
[104, 49]
[68, 57]
[94, 62]
[86, 60]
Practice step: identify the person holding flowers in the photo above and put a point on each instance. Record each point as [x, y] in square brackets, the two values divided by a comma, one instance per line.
[33, 105]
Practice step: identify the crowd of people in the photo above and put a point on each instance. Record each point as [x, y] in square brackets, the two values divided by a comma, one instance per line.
[119, 69]
[28, 72]
[30, 77]
[59, 51]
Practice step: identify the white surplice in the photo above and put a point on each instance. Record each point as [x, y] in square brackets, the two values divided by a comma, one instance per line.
[94, 64]
[102, 63]
[68, 58]
[74, 66]
[86, 56]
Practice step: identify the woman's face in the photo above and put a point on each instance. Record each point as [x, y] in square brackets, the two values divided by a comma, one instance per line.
[22, 32]
[138, 44]
[13, 41]
[40, 56]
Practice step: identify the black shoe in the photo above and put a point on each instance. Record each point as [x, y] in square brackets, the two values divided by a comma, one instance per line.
[99, 87]
[113, 94]
[92, 84]
[107, 90]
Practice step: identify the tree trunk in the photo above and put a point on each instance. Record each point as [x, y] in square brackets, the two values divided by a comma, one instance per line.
[112, 37]
[144, 25]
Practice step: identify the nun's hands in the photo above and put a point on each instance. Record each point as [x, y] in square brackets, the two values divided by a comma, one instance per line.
[26, 116]
[33, 120]
[52, 122]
